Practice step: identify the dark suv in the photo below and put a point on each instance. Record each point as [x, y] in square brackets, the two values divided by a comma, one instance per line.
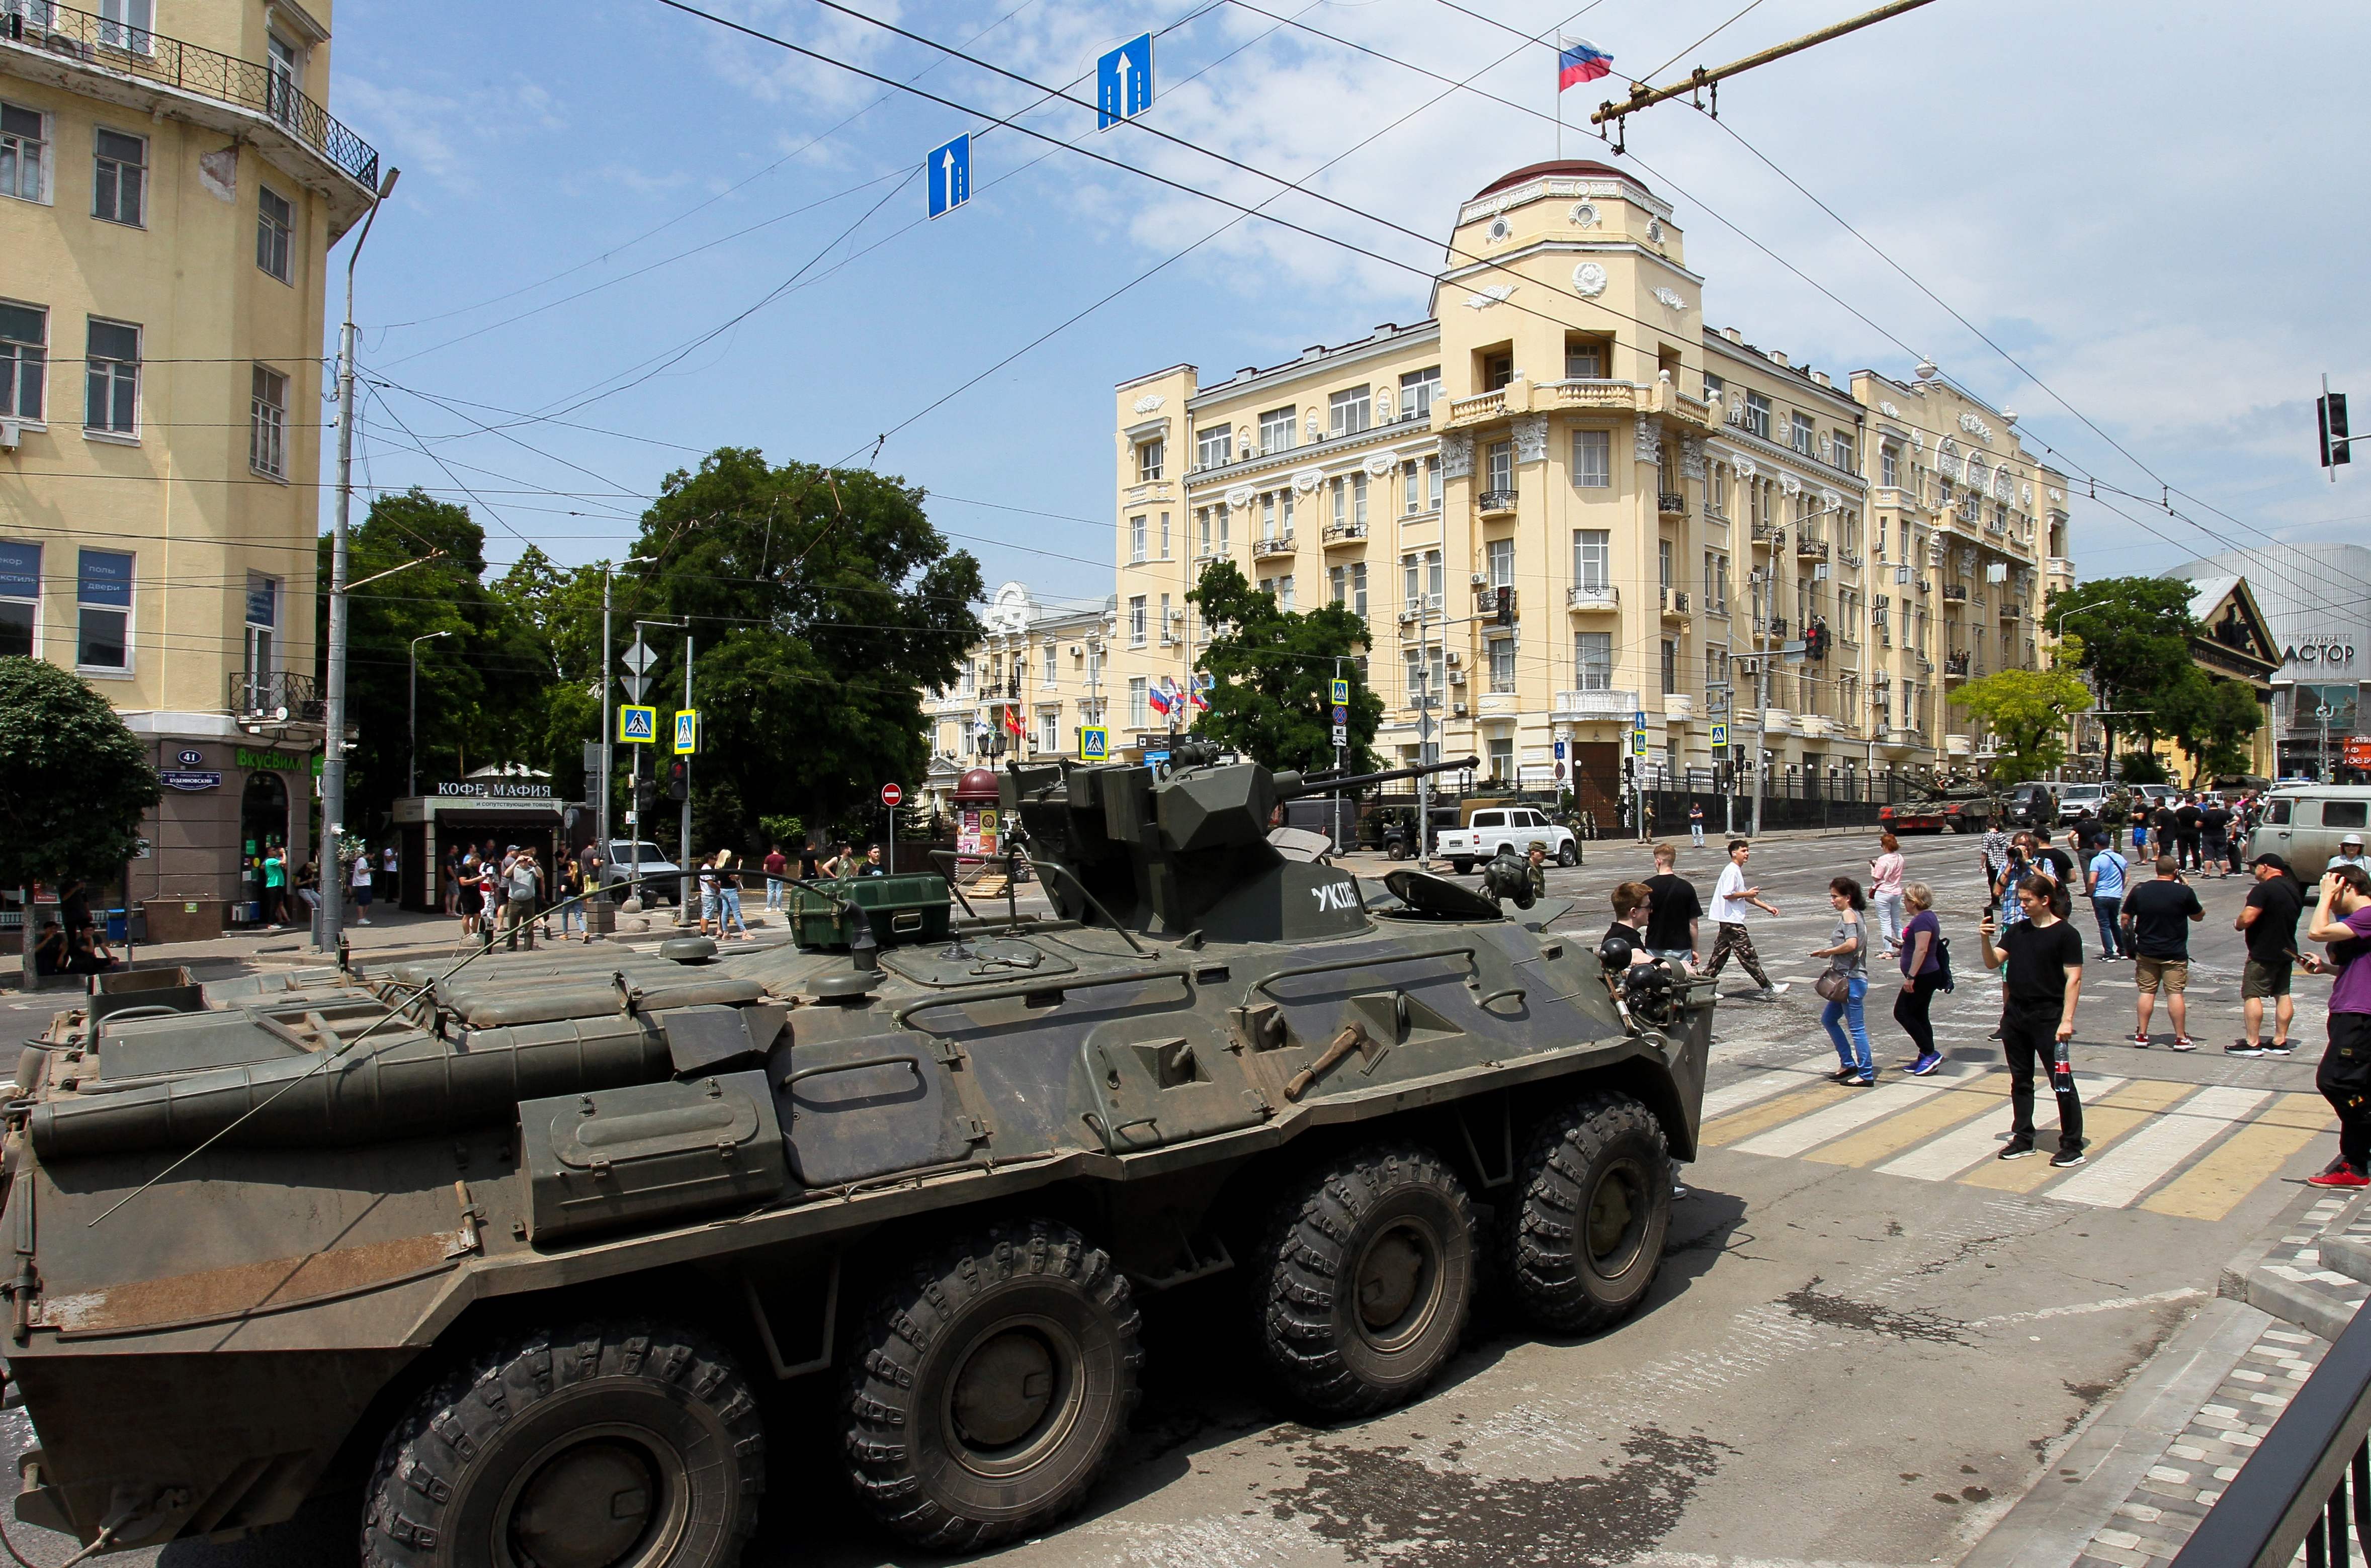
[2032, 805]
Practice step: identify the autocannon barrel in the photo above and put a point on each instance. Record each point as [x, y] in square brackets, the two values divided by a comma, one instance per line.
[413, 1086]
[1292, 786]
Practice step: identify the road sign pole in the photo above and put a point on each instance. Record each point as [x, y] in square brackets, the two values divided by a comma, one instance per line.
[683, 900]
[608, 738]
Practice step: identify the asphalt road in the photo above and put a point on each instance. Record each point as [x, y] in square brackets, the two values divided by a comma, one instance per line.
[1868, 1338]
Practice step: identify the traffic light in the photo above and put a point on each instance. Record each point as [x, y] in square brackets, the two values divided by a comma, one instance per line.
[678, 780]
[646, 794]
[2329, 410]
[1506, 606]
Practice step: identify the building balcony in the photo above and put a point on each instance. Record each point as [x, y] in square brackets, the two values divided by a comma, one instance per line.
[1959, 745]
[1955, 667]
[131, 65]
[1495, 503]
[1497, 704]
[1777, 722]
[1668, 504]
[1676, 603]
[1815, 726]
[2059, 566]
[1809, 549]
[1678, 707]
[1279, 545]
[1955, 593]
[1592, 596]
[283, 698]
[1594, 707]
[1768, 535]
[1474, 410]
[1898, 735]
[1342, 534]
[1486, 600]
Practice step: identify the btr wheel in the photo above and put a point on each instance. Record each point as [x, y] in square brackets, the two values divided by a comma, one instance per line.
[1569, 855]
[1593, 1202]
[995, 1386]
[1367, 1276]
[1462, 868]
[620, 1446]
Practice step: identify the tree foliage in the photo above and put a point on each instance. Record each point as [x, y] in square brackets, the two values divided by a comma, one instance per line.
[2027, 711]
[822, 603]
[1274, 669]
[2214, 719]
[79, 781]
[2134, 637]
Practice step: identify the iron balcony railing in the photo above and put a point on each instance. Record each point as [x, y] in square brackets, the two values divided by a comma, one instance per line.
[2308, 1482]
[138, 54]
[280, 697]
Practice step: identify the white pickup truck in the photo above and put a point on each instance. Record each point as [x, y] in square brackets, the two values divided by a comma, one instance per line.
[1505, 827]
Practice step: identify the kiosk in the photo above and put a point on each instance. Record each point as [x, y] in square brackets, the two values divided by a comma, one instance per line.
[473, 811]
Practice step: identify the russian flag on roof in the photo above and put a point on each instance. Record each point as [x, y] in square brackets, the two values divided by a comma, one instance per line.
[1578, 60]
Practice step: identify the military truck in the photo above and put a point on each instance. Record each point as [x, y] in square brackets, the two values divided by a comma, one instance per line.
[520, 1253]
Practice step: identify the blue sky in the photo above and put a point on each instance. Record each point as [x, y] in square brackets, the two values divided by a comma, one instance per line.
[2069, 179]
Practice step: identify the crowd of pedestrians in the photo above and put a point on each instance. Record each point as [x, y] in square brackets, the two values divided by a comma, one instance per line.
[2144, 908]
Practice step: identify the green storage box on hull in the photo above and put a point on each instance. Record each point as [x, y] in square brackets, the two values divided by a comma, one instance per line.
[905, 909]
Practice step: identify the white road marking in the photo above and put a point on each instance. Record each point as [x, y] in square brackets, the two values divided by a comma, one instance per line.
[2149, 1156]
[1718, 1103]
[1835, 1120]
[2084, 1309]
[1940, 1158]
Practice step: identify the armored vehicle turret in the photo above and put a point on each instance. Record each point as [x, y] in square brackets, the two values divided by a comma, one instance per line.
[517, 1250]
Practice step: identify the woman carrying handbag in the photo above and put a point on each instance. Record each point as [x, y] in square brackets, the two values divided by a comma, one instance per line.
[1845, 984]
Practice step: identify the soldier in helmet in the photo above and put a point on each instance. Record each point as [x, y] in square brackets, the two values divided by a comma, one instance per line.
[1538, 862]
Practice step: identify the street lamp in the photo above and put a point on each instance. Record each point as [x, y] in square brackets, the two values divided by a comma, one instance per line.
[411, 725]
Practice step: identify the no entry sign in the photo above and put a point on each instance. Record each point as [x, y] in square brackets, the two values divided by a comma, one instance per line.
[891, 794]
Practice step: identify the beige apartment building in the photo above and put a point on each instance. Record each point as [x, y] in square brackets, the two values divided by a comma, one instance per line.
[1580, 522]
[170, 187]
[1024, 691]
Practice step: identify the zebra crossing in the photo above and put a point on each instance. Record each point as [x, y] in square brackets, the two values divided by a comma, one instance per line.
[2195, 1151]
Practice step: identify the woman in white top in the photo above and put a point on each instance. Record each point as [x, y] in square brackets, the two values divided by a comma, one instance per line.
[1885, 891]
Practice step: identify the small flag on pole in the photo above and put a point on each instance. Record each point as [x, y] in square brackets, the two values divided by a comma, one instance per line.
[1012, 721]
[1578, 60]
[1157, 700]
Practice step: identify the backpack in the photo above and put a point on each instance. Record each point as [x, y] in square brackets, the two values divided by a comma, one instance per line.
[1943, 964]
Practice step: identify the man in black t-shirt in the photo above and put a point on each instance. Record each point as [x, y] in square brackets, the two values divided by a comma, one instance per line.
[2186, 820]
[1673, 911]
[2214, 836]
[1624, 942]
[2270, 923]
[2045, 980]
[2158, 915]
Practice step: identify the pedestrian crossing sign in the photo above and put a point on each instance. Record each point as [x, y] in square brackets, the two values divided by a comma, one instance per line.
[686, 732]
[1094, 744]
[1719, 736]
[1639, 742]
[637, 725]
[1341, 694]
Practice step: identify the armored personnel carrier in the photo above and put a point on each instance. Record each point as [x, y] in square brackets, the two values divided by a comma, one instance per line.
[519, 1253]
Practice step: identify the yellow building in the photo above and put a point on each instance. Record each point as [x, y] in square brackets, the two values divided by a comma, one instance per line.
[170, 187]
[1024, 691]
[1661, 500]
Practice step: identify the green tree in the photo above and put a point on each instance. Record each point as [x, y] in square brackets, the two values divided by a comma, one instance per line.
[2134, 637]
[823, 603]
[79, 781]
[1275, 668]
[2214, 719]
[2027, 711]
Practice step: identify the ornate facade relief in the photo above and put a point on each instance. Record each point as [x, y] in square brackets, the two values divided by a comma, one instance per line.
[1692, 456]
[1456, 456]
[1588, 280]
[1240, 497]
[1380, 464]
[1649, 442]
[1149, 402]
[1308, 479]
[1530, 438]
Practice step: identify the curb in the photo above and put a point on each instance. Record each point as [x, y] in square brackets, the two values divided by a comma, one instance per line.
[2300, 1273]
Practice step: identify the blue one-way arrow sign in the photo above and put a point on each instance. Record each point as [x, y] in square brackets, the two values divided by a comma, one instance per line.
[950, 169]
[1124, 82]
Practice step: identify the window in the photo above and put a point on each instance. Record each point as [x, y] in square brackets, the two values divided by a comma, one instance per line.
[1497, 371]
[1716, 588]
[1801, 431]
[1333, 490]
[1670, 666]
[1136, 621]
[103, 592]
[1417, 389]
[1164, 535]
[267, 430]
[1267, 514]
[1136, 537]
[1359, 498]
[1433, 481]
[23, 154]
[1049, 729]
[1889, 466]
[262, 628]
[24, 357]
[1358, 589]
[1348, 412]
[1584, 359]
[1411, 489]
[1593, 661]
[1140, 711]
[1713, 386]
[1500, 463]
[119, 177]
[1284, 591]
[1663, 564]
[1427, 672]
[1148, 455]
[20, 597]
[1053, 667]
[1164, 617]
[1277, 429]
[1214, 448]
[1715, 680]
[1592, 558]
[1501, 557]
[275, 225]
[112, 404]
[1202, 530]
[1502, 665]
[284, 72]
[1840, 449]
[1592, 458]
[1222, 511]
[2342, 814]
[124, 24]
[970, 672]
[1421, 580]
[1757, 415]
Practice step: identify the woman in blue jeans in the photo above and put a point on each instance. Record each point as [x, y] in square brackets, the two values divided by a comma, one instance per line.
[1848, 954]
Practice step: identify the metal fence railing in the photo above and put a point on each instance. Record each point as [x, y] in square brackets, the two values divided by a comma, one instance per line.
[281, 696]
[2308, 1483]
[125, 51]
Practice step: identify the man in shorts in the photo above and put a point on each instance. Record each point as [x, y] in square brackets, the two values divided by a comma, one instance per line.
[2159, 913]
[2269, 922]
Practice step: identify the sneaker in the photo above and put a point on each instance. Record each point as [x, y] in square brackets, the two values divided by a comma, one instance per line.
[1772, 993]
[1995, 1034]
[2140, 1038]
[2243, 1048]
[1856, 1081]
[2066, 1157]
[1844, 1075]
[2184, 1042]
[2280, 1048]
[2016, 1151]
[1924, 1065]
[2340, 1175]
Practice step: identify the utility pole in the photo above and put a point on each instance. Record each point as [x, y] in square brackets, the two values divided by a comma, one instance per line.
[329, 925]
[683, 915]
[1643, 96]
[1423, 716]
[609, 732]
[1338, 769]
[412, 712]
